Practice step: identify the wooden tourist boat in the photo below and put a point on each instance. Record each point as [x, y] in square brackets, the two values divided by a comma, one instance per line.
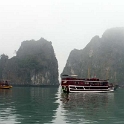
[5, 85]
[70, 83]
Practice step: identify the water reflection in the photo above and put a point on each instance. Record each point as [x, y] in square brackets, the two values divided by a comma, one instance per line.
[38, 105]
[86, 107]
[28, 105]
[6, 107]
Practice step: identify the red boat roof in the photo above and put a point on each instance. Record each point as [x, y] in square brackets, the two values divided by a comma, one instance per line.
[75, 77]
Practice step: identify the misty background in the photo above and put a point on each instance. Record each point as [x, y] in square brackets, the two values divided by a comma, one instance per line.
[68, 24]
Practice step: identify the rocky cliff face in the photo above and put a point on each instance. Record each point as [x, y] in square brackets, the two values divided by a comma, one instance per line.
[102, 57]
[34, 64]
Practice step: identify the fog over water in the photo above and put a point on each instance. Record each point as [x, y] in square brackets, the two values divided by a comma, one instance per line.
[68, 24]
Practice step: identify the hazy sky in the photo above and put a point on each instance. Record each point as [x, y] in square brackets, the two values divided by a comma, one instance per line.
[68, 24]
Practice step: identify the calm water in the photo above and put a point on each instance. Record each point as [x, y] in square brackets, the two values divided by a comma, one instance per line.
[37, 105]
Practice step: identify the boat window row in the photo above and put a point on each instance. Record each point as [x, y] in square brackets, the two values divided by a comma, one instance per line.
[92, 83]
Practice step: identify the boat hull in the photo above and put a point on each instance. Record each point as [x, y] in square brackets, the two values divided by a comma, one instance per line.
[92, 91]
[75, 88]
[5, 87]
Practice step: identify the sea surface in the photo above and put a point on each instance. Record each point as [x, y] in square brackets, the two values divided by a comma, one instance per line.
[46, 105]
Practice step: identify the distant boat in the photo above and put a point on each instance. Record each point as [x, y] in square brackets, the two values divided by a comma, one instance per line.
[70, 83]
[5, 85]
[115, 80]
[116, 86]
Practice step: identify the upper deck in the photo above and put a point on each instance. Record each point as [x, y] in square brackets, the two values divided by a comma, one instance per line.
[74, 80]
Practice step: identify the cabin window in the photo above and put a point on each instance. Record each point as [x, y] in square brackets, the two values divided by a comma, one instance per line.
[96, 83]
[76, 82]
[103, 83]
[87, 83]
[64, 81]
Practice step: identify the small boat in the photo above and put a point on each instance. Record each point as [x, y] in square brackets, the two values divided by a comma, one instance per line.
[5, 85]
[70, 83]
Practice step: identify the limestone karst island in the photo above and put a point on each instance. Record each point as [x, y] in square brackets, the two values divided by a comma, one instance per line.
[35, 62]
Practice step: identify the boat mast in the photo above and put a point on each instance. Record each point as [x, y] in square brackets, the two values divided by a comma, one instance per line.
[90, 62]
[107, 73]
[88, 73]
[115, 78]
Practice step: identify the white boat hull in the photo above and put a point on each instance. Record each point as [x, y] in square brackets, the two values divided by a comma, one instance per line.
[73, 89]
